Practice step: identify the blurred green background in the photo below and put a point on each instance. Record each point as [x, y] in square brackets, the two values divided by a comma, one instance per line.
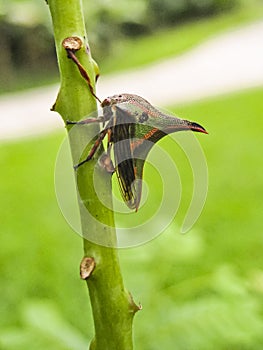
[201, 290]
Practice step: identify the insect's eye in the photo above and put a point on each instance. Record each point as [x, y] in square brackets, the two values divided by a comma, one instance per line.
[120, 96]
[143, 117]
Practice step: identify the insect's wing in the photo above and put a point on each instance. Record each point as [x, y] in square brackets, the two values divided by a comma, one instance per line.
[131, 144]
[122, 134]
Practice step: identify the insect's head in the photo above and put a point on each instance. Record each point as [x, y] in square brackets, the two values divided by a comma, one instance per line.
[115, 99]
[106, 102]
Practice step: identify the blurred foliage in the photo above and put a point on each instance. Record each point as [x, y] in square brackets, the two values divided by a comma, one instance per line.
[42, 325]
[28, 48]
[26, 52]
[164, 12]
[199, 291]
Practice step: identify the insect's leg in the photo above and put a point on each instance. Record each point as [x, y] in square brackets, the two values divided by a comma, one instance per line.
[109, 132]
[105, 159]
[106, 162]
[93, 149]
[87, 121]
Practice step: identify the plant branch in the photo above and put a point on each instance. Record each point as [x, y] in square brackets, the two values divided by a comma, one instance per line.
[113, 308]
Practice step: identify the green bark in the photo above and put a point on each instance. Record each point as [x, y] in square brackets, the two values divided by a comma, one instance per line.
[112, 306]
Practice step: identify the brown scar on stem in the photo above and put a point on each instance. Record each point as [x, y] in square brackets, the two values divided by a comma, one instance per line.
[73, 43]
[87, 266]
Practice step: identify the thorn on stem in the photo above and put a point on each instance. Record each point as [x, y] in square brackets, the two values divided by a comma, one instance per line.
[53, 108]
[134, 307]
[87, 266]
[69, 122]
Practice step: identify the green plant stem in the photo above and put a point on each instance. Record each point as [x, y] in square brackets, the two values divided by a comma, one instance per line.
[113, 308]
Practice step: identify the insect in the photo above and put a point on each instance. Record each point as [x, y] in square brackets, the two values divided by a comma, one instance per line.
[133, 126]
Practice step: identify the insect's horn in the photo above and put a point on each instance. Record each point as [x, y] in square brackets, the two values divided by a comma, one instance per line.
[197, 127]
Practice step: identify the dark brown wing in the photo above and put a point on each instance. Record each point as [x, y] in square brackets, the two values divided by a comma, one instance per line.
[131, 145]
[122, 133]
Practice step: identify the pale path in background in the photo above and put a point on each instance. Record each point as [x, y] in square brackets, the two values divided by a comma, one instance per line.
[230, 62]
